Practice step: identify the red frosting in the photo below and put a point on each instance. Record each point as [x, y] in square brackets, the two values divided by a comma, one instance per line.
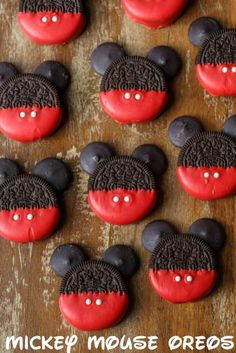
[67, 27]
[193, 181]
[164, 283]
[29, 129]
[42, 225]
[155, 13]
[86, 317]
[139, 205]
[131, 110]
[215, 81]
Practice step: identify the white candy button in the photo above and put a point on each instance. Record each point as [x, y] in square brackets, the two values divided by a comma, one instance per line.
[216, 175]
[22, 115]
[234, 70]
[189, 278]
[177, 279]
[88, 301]
[116, 199]
[44, 19]
[127, 95]
[126, 199]
[206, 175]
[99, 302]
[224, 70]
[16, 217]
[30, 217]
[33, 114]
[54, 19]
[138, 97]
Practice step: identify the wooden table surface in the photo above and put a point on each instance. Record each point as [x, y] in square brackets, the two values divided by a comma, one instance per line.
[29, 289]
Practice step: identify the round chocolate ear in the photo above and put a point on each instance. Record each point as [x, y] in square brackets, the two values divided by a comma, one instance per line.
[201, 28]
[153, 156]
[154, 232]
[7, 70]
[210, 231]
[229, 126]
[104, 55]
[167, 58]
[8, 169]
[182, 129]
[55, 172]
[65, 257]
[55, 72]
[92, 154]
[124, 258]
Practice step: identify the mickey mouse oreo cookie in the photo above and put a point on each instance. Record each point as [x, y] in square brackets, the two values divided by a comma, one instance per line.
[30, 104]
[51, 21]
[216, 60]
[29, 204]
[93, 294]
[206, 166]
[182, 267]
[156, 13]
[122, 189]
[134, 88]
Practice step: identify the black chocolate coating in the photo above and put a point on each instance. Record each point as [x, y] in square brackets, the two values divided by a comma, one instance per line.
[154, 232]
[55, 72]
[7, 70]
[153, 156]
[8, 169]
[182, 129]
[92, 154]
[229, 126]
[65, 257]
[167, 58]
[55, 172]
[210, 231]
[104, 55]
[201, 28]
[123, 258]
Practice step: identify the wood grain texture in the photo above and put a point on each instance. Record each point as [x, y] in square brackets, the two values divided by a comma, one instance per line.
[29, 290]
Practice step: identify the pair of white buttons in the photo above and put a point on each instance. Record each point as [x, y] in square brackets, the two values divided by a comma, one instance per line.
[128, 95]
[216, 175]
[33, 114]
[179, 279]
[97, 302]
[117, 199]
[29, 216]
[225, 69]
[45, 19]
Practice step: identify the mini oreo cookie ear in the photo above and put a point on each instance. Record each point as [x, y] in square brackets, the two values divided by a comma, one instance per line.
[229, 126]
[153, 156]
[55, 172]
[210, 231]
[104, 55]
[55, 72]
[7, 70]
[65, 257]
[167, 59]
[94, 153]
[8, 169]
[182, 129]
[201, 28]
[154, 232]
[123, 258]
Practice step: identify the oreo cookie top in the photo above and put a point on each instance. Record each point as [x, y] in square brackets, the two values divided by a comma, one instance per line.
[209, 149]
[133, 72]
[92, 276]
[26, 191]
[218, 48]
[70, 6]
[122, 172]
[182, 252]
[28, 90]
